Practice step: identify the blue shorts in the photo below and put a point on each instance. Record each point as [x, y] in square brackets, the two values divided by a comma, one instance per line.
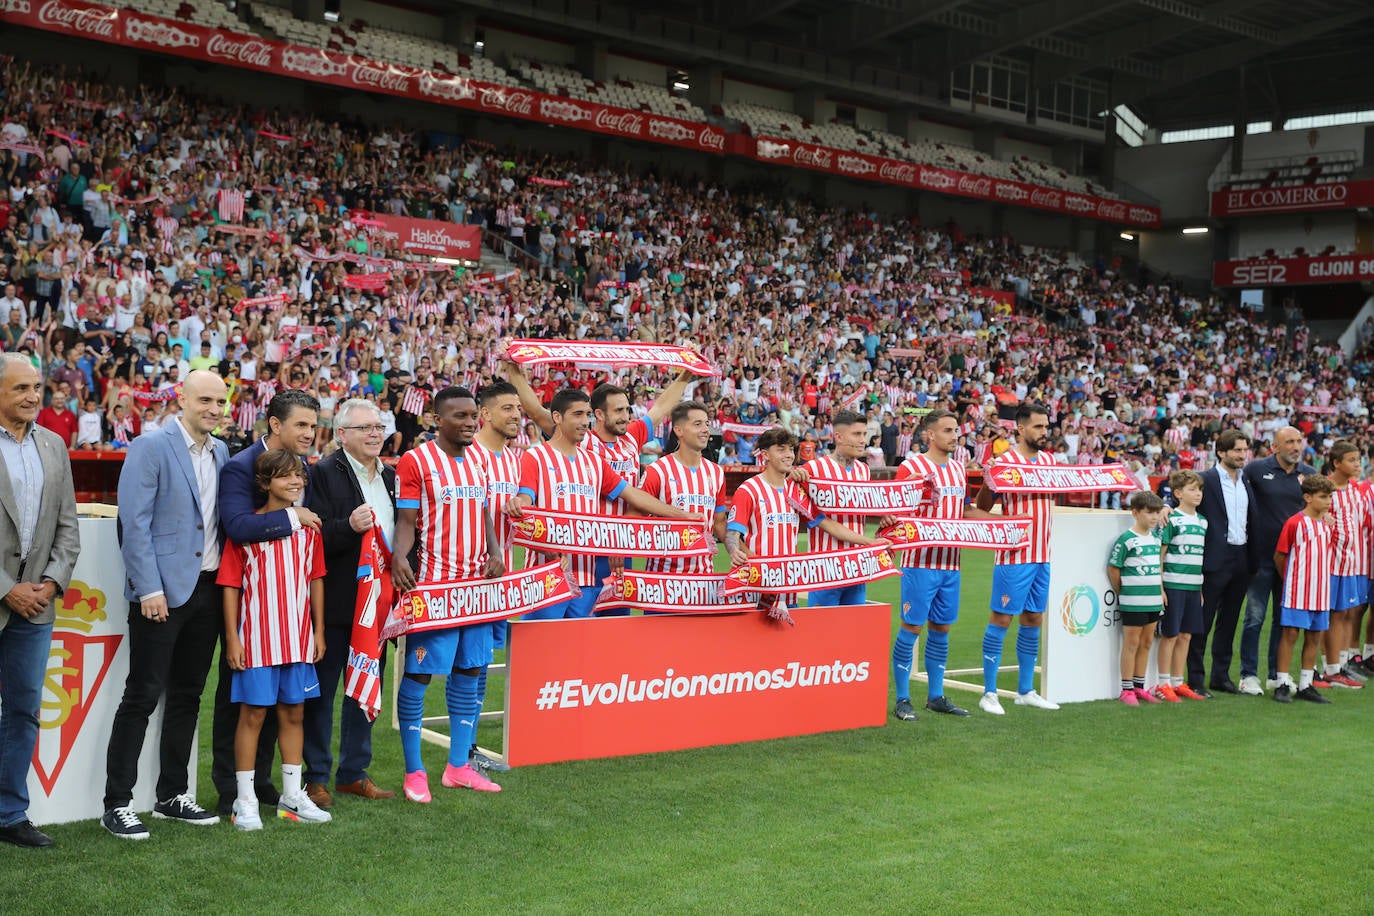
[1019, 588]
[1183, 613]
[838, 597]
[1348, 592]
[275, 684]
[498, 634]
[929, 595]
[573, 607]
[451, 649]
[1317, 621]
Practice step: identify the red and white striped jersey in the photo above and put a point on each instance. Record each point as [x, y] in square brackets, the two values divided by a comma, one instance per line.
[1351, 512]
[503, 482]
[414, 400]
[581, 484]
[274, 579]
[768, 518]
[622, 455]
[699, 490]
[829, 468]
[947, 488]
[1307, 578]
[1176, 436]
[1038, 507]
[451, 496]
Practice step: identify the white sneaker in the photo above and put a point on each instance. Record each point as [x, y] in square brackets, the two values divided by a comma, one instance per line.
[246, 815]
[1250, 686]
[1271, 683]
[301, 809]
[1036, 700]
[991, 705]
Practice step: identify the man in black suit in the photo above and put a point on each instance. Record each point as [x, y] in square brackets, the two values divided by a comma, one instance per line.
[1225, 562]
[352, 491]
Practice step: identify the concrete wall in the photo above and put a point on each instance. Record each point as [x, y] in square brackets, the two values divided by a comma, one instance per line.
[1008, 148]
[941, 133]
[410, 21]
[1169, 251]
[632, 68]
[738, 91]
[1294, 143]
[501, 44]
[1175, 174]
[1312, 232]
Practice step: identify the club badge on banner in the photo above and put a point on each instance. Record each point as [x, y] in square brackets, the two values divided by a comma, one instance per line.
[1087, 478]
[985, 533]
[553, 531]
[810, 571]
[869, 497]
[668, 593]
[608, 353]
[456, 604]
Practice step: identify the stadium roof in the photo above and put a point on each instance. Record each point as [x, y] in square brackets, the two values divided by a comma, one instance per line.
[1178, 63]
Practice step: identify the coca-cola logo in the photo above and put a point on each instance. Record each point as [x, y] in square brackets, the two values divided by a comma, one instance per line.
[1078, 204]
[854, 165]
[498, 99]
[89, 21]
[1044, 197]
[711, 138]
[894, 171]
[624, 122]
[385, 78]
[555, 110]
[250, 51]
[768, 149]
[1006, 190]
[671, 131]
[15, 6]
[1113, 211]
[153, 32]
[934, 178]
[454, 88]
[978, 187]
[1146, 215]
[311, 63]
[813, 156]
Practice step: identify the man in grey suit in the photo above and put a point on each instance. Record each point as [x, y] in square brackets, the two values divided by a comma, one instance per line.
[170, 539]
[39, 543]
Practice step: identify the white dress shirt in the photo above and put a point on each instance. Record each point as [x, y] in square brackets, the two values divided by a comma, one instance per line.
[1237, 507]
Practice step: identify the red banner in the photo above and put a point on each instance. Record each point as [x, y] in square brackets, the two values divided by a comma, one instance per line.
[1328, 410]
[985, 533]
[668, 593]
[809, 571]
[1302, 198]
[608, 353]
[455, 604]
[1056, 478]
[432, 237]
[745, 429]
[262, 301]
[874, 498]
[374, 282]
[1340, 268]
[553, 531]
[581, 689]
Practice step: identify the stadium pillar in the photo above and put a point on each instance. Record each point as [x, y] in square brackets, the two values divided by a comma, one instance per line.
[708, 87]
[591, 57]
[901, 123]
[805, 103]
[1242, 118]
[985, 139]
[460, 29]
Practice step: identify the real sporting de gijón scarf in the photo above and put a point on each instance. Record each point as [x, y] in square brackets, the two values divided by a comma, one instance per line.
[984, 533]
[607, 353]
[868, 497]
[553, 531]
[668, 593]
[1086, 478]
[456, 604]
[810, 571]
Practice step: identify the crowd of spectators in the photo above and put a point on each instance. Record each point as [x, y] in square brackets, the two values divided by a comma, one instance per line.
[136, 222]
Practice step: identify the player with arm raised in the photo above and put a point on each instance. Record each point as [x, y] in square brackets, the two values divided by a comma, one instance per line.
[691, 482]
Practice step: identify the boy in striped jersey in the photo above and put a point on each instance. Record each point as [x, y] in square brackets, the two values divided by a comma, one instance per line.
[1133, 570]
[849, 436]
[1020, 577]
[1182, 539]
[930, 576]
[691, 482]
[1351, 513]
[1303, 558]
[442, 504]
[273, 635]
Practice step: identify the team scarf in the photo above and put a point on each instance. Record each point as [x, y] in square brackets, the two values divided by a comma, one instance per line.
[667, 593]
[144, 398]
[454, 604]
[985, 533]
[811, 571]
[374, 282]
[1058, 478]
[262, 302]
[363, 677]
[600, 353]
[745, 429]
[869, 497]
[552, 531]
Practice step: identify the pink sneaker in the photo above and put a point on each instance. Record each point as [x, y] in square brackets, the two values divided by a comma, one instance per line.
[417, 787]
[1128, 697]
[466, 777]
[1145, 696]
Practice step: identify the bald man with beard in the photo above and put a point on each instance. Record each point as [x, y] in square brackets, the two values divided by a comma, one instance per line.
[1275, 485]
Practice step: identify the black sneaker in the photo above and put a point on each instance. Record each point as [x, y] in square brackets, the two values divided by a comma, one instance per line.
[1311, 695]
[123, 823]
[485, 764]
[943, 704]
[1284, 694]
[1365, 664]
[184, 808]
[905, 711]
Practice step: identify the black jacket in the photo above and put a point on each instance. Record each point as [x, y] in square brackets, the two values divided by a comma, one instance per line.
[334, 494]
[1213, 508]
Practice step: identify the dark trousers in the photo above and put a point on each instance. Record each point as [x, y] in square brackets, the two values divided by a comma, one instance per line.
[171, 658]
[355, 731]
[1223, 592]
[222, 728]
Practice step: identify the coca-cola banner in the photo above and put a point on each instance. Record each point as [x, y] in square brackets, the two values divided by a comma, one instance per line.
[1300, 198]
[432, 238]
[1345, 268]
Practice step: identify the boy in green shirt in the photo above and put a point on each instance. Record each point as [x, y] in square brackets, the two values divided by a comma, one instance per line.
[1133, 570]
[1182, 539]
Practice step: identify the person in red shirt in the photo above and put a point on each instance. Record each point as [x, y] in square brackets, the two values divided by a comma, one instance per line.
[58, 417]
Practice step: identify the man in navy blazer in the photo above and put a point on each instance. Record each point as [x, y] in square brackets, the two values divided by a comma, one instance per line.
[170, 540]
[291, 418]
[1225, 563]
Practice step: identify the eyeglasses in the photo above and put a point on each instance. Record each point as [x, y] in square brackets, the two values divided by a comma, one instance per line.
[375, 429]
